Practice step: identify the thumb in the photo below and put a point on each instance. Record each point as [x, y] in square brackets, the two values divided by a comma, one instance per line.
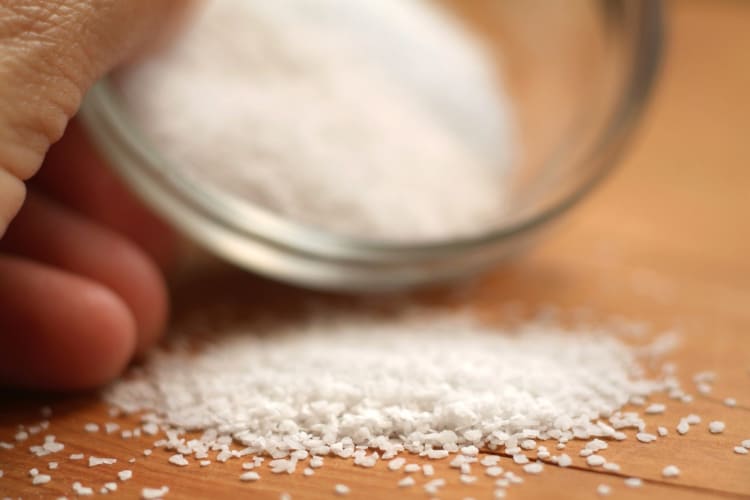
[51, 51]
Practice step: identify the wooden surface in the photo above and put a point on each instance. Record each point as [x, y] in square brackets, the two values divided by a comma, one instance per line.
[666, 240]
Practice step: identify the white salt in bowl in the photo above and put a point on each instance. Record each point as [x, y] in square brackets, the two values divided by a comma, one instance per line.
[574, 75]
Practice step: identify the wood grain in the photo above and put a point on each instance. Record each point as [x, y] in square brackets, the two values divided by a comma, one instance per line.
[665, 240]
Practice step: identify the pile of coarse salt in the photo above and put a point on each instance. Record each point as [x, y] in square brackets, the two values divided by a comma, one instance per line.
[280, 398]
[376, 118]
[369, 388]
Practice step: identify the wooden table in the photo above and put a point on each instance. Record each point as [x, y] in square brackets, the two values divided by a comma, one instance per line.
[666, 240]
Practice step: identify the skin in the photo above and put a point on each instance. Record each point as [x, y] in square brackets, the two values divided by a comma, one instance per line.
[81, 287]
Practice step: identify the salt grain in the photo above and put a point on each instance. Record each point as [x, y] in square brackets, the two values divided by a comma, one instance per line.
[95, 461]
[564, 460]
[645, 437]
[91, 427]
[154, 493]
[670, 471]
[740, 450]
[655, 409]
[493, 471]
[716, 427]
[533, 468]
[595, 460]
[124, 475]
[406, 482]
[730, 402]
[662, 431]
[603, 490]
[249, 476]
[341, 489]
[633, 482]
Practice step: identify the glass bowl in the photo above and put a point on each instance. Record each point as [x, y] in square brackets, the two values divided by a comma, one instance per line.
[577, 73]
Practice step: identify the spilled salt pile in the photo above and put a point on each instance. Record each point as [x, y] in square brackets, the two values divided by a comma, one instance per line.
[425, 383]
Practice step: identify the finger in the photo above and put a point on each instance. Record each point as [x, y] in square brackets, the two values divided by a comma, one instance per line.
[58, 330]
[50, 233]
[100, 195]
[51, 51]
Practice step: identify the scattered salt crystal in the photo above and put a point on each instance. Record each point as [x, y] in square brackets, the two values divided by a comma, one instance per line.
[91, 427]
[94, 461]
[76, 456]
[150, 428]
[655, 409]
[498, 494]
[467, 479]
[21, 436]
[683, 427]
[436, 454]
[703, 388]
[564, 460]
[33, 472]
[205, 463]
[412, 468]
[154, 493]
[466, 468]
[316, 462]
[596, 445]
[746, 443]
[470, 450]
[6, 446]
[249, 476]
[493, 471]
[432, 487]
[520, 459]
[52, 465]
[633, 482]
[740, 450]
[716, 427]
[533, 468]
[341, 489]
[396, 463]
[611, 466]
[406, 482]
[124, 475]
[489, 460]
[730, 402]
[126, 434]
[147, 452]
[178, 459]
[428, 470]
[586, 452]
[670, 471]
[595, 460]
[82, 491]
[111, 486]
[111, 427]
[528, 444]
[693, 419]
[645, 437]
[662, 431]
[603, 489]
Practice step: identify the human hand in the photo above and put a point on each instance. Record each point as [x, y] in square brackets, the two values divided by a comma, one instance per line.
[81, 291]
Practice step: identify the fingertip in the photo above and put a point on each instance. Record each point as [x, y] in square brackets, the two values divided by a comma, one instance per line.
[59, 331]
[12, 194]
